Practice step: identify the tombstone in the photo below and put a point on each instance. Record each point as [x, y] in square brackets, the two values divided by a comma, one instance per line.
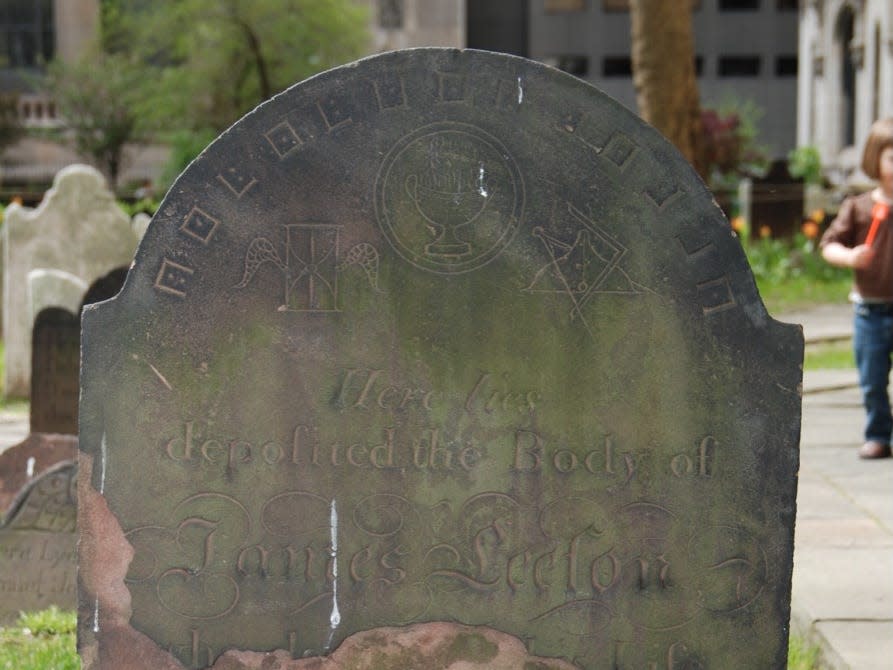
[56, 353]
[22, 462]
[38, 545]
[53, 254]
[440, 359]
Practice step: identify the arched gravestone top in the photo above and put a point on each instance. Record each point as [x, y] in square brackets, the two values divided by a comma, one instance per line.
[440, 336]
[38, 548]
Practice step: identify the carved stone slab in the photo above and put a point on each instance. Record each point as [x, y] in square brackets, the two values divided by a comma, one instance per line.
[21, 462]
[435, 343]
[38, 545]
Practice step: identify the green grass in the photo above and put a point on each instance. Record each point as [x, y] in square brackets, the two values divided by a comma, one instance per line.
[802, 655]
[796, 293]
[833, 355]
[791, 274]
[40, 641]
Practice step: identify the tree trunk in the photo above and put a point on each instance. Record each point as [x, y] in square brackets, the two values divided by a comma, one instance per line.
[663, 59]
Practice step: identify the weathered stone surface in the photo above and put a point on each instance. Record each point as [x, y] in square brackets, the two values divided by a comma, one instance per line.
[26, 460]
[78, 234]
[38, 554]
[438, 338]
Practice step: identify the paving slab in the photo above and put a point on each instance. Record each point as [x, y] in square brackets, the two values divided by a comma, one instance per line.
[858, 645]
[842, 596]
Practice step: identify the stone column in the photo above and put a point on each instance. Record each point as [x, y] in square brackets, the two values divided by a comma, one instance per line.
[77, 24]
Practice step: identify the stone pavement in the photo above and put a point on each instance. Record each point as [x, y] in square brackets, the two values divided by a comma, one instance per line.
[843, 550]
[843, 555]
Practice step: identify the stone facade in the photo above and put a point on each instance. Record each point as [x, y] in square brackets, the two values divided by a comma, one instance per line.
[53, 254]
[743, 52]
[846, 78]
[402, 24]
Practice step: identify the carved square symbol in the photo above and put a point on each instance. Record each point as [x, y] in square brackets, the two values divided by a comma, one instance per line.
[716, 295]
[619, 150]
[334, 112]
[452, 86]
[390, 92]
[173, 278]
[660, 190]
[200, 225]
[237, 180]
[283, 139]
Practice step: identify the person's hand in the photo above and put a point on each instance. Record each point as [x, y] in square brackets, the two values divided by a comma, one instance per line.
[861, 257]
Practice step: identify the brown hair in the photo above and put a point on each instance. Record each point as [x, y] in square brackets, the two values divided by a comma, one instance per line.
[879, 138]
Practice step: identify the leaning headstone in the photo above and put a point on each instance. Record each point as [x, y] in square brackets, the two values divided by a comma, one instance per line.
[28, 459]
[79, 234]
[441, 359]
[38, 546]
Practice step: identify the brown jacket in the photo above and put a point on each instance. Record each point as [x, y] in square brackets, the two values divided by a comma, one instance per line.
[850, 228]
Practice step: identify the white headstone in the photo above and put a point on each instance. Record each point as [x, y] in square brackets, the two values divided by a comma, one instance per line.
[78, 231]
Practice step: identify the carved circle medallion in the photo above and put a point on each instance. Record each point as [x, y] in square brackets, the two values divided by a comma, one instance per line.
[449, 197]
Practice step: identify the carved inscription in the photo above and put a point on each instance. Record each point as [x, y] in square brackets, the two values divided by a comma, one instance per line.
[38, 549]
[577, 553]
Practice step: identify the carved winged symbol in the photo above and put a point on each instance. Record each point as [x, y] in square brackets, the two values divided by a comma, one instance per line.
[259, 252]
[310, 265]
[366, 256]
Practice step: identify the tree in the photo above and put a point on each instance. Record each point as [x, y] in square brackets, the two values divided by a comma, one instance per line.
[208, 62]
[664, 73]
[96, 97]
[11, 128]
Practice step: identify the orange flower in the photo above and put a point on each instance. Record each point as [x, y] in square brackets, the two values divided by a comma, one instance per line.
[810, 229]
[765, 231]
[818, 215]
[739, 223]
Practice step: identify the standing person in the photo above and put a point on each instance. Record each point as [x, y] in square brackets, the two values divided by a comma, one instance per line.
[861, 238]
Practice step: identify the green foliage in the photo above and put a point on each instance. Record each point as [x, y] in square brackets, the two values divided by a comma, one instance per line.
[830, 356]
[802, 655]
[40, 640]
[208, 62]
[792, 273]
[730, 145]
[775, 261]
[185, 146]
[806, 163]
[97, 98]
[10, 126]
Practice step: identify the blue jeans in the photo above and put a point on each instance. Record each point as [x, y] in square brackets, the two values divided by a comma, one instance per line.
[873, 344]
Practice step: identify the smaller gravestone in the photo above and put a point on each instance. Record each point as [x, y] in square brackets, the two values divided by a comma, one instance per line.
[27, 460]
[77, 235]
[54, 372]
[38, 545]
